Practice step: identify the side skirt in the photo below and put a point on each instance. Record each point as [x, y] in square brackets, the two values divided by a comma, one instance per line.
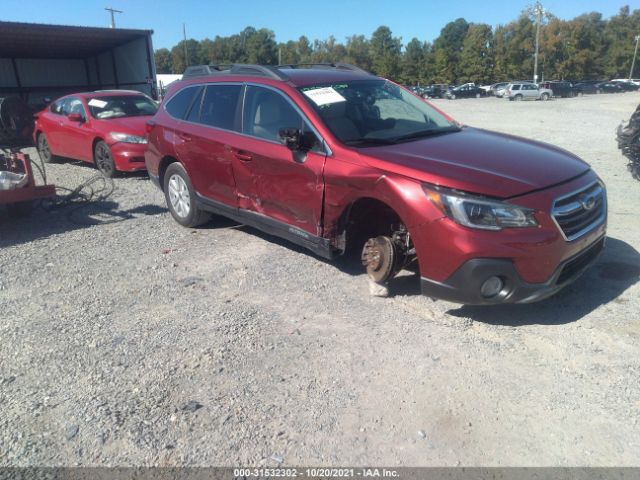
[318, 245]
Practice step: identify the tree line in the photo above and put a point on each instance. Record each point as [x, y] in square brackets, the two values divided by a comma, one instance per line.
[586, 47]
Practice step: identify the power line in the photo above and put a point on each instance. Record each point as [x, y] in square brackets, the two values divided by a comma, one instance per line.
[113, 18]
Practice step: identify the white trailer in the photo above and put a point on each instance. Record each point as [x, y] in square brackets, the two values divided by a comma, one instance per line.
[47, 61]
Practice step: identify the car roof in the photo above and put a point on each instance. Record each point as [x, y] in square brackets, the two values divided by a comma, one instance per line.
[298, 75]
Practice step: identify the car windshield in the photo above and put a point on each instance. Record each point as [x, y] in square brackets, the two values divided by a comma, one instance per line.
[118, 106]
[375, 112]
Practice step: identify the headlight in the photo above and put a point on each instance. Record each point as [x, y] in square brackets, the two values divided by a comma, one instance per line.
[476, 212]
[127, 138]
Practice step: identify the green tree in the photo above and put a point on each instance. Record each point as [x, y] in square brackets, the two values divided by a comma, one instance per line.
[178, 63]
[476, 58]
[385, 52]
[261, 47]
[162, 57]
[447, 49]
[413, 62]
[358, 52]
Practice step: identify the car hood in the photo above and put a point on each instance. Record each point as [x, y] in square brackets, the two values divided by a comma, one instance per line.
[130, 125]
[479, 161]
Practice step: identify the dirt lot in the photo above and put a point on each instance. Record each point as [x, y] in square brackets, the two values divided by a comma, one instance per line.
[128, 340]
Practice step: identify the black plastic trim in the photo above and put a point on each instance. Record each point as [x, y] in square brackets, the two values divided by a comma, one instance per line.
[463, 286]
[318, 245]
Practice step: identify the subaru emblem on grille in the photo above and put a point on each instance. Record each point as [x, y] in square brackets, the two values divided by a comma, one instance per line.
[587, 201]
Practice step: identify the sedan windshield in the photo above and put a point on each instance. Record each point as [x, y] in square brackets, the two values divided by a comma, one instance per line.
[375, 112]
[118, 106]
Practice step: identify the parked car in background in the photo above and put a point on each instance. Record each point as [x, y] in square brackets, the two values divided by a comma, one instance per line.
[559, 88]
[106, 128]
[527, 91]
[608, 87]
[435, 91]
[584, 87]
[497, 89]
[339, 161]
[626, 86]
[635, 81]
[465, 91]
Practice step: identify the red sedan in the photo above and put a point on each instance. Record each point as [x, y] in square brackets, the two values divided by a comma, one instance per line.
[106, 128]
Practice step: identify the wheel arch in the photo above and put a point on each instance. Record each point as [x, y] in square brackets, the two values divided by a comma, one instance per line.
[163, 164]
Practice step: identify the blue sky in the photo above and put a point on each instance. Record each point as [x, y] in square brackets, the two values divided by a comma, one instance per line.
[289, 19]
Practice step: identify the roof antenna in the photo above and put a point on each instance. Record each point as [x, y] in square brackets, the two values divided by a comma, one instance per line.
[113, 18]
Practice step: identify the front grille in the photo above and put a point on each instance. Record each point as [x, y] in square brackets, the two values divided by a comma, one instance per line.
[575, 266]
[580, 212]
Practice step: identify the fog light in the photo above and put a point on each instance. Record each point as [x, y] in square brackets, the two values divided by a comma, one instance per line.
[491, 287]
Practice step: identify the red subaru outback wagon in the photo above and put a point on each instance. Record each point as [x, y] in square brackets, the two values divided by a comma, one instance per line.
[334, 159]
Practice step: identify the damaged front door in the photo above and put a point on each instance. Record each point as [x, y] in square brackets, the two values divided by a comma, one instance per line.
[270, 178]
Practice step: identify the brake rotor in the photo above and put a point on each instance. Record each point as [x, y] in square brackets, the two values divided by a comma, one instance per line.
[378, 256]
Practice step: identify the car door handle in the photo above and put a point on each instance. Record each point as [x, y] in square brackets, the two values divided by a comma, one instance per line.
[243, 156]
[185, 137]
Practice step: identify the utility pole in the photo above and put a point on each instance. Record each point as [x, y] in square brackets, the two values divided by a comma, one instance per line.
[113, 18]
[633, 63]
[186, 56]
[538, 11]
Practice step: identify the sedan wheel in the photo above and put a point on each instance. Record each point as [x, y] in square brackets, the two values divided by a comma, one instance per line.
[43, 149]
[104, 160]
[545, 97]
[477, 95]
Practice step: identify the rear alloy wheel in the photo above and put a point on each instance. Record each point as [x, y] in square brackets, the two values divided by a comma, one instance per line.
[181, 198]
[43, 149]
[545, 97]
[453, 97]
[477, 95]
[518, 98]
[103, 159]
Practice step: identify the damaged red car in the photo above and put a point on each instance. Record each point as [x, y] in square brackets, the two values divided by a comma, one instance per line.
[106, 128]
[336, 159]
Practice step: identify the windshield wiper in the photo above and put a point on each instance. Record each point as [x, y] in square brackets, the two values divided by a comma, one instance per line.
[371, 141]
[426, 133]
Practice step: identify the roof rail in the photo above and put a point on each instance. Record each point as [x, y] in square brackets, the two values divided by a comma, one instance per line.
[234, 69]
[337, 66]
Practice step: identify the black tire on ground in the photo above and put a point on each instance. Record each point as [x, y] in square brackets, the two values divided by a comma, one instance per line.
[181, 197]
[103, 158]
[20, 209]
[44, 151]
[518, 98]
[545, 97]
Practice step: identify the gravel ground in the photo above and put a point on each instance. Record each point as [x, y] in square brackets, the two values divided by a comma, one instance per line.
[129, 340]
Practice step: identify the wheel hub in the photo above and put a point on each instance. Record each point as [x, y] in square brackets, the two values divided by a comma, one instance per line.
[378, 256]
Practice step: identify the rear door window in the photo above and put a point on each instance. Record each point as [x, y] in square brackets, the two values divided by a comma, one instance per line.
[179, 104]
[219, 106]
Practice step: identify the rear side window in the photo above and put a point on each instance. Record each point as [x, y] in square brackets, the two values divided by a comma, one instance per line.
[219, 106]
[58, 106]
[178, 105]
[515, 87]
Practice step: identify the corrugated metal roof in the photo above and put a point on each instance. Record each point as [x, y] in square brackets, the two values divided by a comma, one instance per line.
[34, 40]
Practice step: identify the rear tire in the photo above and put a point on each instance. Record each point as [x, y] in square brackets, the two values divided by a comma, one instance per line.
[518, 98]
[544, 97]
[181, 197]
[477, 95]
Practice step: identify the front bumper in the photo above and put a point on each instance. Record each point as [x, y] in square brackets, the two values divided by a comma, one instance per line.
[465, 284]
[129, 157]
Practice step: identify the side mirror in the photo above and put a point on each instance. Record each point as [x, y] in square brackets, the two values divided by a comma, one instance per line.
[75, 117]
[297, 140]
